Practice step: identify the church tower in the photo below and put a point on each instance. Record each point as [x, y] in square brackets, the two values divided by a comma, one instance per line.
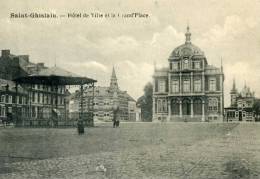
[233, 94]
[113, 81]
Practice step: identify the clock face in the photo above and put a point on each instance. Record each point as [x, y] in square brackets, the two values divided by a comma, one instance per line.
[186, 61]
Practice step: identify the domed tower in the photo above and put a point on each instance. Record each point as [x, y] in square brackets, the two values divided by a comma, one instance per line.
[113, 81]
[233, 94]
[187, 56]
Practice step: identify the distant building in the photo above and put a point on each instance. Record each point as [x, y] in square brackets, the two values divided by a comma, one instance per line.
[189, 89]
[241, 106]
[105, 99]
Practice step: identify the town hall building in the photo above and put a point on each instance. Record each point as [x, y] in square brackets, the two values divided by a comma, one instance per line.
[189, 89]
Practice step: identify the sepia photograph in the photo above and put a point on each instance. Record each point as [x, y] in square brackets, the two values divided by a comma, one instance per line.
[152, 89]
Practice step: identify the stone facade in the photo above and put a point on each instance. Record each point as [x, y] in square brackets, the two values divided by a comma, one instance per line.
[189, 89]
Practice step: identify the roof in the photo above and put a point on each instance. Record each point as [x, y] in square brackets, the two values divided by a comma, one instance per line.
[55, 76]
[186, 49]
[55, 71]
[101, 91]
[210, 69]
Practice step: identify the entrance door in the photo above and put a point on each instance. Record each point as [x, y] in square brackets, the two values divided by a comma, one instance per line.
[240, 116]
[186, 107]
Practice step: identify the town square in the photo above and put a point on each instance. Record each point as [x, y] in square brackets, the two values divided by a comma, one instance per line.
[153, 150]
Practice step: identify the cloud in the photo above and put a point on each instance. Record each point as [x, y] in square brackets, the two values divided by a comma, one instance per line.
[236, 41]
[95, 65]
[133, 76]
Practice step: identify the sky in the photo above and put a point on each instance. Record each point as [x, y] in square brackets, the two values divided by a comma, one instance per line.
[227, 29]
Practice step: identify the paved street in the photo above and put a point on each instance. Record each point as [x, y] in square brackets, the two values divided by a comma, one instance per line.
[135, 150]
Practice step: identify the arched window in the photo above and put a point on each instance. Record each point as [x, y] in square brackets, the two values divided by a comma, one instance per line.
[175, 107]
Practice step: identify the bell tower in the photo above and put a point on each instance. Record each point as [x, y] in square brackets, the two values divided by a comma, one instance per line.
[113, 80]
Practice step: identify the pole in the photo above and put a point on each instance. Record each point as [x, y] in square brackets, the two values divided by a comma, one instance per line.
[81, 102]
[80, 124]
[16, 102]
[93, 97]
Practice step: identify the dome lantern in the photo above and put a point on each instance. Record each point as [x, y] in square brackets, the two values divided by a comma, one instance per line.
[188, 35]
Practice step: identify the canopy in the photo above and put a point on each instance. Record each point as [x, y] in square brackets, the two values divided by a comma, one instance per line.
[54, 76]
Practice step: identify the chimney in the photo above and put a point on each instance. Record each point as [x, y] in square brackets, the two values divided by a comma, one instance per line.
[5, 53]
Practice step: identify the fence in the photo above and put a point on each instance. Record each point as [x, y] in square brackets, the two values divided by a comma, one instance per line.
[54, 120]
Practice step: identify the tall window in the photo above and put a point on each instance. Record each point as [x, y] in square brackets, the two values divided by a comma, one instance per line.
[10, 99]
[212, 84]
[197, 85]
[213, 104]
[186, 64]
[175, 65]
[3, 98]
[162, 105]
[2, 110]
[161, 85]
[197, 65]
[186, 85]
[175, 86]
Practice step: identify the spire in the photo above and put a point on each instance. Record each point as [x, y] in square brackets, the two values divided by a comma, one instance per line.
[113, 80]
[113, 73]
[188, 34]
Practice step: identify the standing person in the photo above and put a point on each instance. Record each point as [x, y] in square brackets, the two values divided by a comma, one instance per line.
[115, 116]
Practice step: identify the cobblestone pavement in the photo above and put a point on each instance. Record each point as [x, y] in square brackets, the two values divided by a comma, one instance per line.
[175, 150]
